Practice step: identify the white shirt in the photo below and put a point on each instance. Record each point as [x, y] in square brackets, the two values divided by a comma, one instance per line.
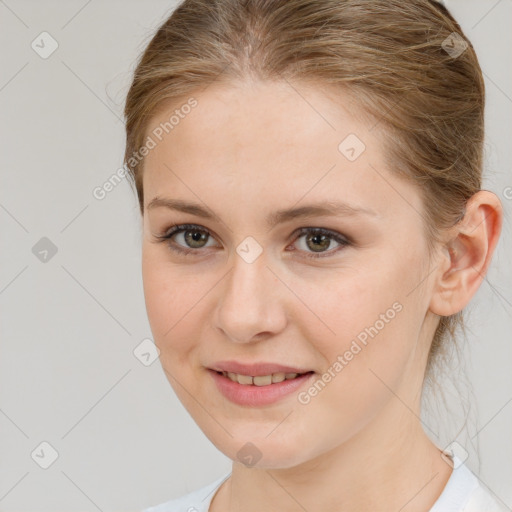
[462, 493]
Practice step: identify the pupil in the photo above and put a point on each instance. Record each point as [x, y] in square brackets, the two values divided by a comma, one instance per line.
[323, 239]
[194, 236]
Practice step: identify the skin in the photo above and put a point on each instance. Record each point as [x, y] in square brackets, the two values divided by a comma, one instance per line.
[246, 151]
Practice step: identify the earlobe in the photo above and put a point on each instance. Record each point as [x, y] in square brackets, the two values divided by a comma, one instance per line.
[469, 249]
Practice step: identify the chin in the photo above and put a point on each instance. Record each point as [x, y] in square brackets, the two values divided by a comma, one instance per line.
[263, 453]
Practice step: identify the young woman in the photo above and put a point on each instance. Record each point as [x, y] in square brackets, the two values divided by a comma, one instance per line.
[309, 180]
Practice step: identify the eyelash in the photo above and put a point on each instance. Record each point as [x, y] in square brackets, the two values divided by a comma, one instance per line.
[179, 228]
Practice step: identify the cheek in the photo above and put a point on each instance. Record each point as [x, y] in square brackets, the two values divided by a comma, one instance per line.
[365, 327]
[344, 305]
[170, 297]
[365, 358]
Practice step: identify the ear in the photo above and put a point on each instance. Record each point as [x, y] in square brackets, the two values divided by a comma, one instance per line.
[467, 254]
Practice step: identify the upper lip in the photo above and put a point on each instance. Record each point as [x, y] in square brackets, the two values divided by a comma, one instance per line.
[255, 369]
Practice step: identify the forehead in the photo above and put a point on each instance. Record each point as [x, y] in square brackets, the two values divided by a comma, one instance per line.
[272, 141]
[241, 120]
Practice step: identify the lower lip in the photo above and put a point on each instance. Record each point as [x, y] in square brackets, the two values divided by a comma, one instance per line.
[257, 395]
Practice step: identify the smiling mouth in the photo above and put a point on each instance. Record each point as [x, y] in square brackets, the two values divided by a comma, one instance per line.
[261, 380]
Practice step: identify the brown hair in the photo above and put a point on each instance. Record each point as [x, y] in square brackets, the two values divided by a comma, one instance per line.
[392, 57]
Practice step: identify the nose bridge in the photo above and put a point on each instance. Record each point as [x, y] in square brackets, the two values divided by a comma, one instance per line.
[248, 276]
[245, 308]
[247, 282]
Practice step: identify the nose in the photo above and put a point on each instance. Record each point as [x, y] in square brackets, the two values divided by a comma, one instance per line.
[251, 303]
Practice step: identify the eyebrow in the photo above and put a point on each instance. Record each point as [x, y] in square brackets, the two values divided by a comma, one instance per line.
[327, 208]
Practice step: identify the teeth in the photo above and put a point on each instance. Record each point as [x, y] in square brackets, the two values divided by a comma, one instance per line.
[244, 379]
[260, 380]
[278, 377]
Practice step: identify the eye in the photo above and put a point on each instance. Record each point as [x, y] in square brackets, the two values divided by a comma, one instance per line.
[189, 238]
[194, 237]
[318, 240]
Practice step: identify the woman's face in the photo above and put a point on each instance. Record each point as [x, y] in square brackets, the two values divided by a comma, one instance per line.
[254, 289]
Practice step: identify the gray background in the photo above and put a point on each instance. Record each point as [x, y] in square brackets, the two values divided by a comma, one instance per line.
[69, 325]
